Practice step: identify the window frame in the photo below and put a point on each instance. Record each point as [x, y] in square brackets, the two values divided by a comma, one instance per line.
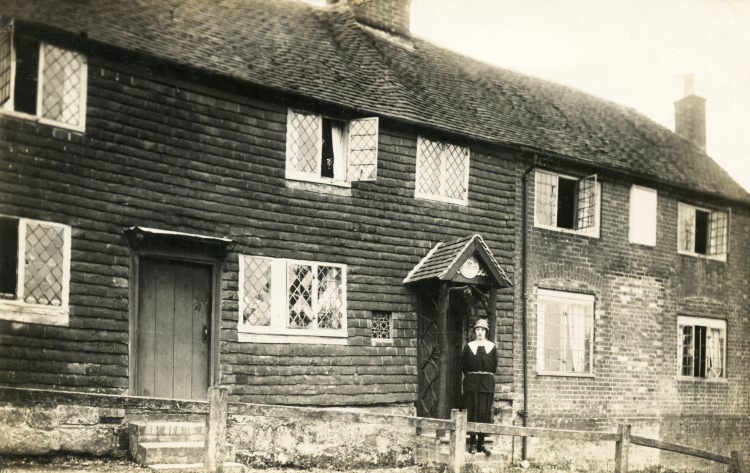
[8, 108]
[17, 309]
[278, 331]
[594, 231]
[635, 214]
[717, 257]
[315, 177]
[564, 297]
[689, 320]
[418, 174]
[383, 341]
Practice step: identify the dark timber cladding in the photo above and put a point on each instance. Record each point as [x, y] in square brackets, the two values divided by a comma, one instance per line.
[184, 158]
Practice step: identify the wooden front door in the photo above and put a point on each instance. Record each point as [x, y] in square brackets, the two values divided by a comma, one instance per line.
[174, 327]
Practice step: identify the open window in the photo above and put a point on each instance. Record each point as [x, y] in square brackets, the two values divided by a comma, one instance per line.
[42, 81]
[702, 347]
[567, 203]
[702, 232]
[34, 271]
[322, 149]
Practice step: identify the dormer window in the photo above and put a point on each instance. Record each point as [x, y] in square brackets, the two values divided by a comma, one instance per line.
[41, 81]
[325, 150]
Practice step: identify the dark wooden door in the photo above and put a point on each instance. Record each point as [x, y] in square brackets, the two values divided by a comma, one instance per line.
[173, 341]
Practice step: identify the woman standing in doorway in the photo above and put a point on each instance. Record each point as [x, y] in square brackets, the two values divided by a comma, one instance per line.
[479, 362]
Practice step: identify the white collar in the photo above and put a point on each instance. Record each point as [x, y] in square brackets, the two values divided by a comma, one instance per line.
[488, 346]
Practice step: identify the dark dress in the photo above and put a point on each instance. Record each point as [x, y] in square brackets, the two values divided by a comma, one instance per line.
[479, 382]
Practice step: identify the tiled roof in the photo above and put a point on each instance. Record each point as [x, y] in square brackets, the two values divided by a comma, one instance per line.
[443, 257]
[323, 53]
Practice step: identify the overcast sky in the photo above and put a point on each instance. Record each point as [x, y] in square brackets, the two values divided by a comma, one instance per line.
[633, 52]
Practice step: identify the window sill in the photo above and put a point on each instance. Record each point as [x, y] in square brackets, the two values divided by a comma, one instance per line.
[381, 341]
[321, 187]
[40, 120]
[695, 379]
[592, 234]
[722, 258]
[304, 338]
[565, 375]
[32, 314]
[445, 200]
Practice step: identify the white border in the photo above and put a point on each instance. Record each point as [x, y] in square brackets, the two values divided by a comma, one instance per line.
[563, 296]
[19, 311]
[634, 216]
[720, 257]
[594, 232]
[706, 322]
[441, 198]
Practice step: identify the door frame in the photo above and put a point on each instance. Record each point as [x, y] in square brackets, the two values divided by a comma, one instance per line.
[190, 255]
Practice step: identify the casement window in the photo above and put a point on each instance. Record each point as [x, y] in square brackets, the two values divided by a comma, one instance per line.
[321, 149]
[34, 271]
[442, 172]
[567, 204]
[381, 326]
[642, 216]
[702, 232]
[565, 334]
[702, 348]
[289, 297]
[41, 81]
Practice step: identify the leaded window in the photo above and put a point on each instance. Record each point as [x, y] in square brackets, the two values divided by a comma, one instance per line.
[701, 347]
[565, 332]
[42, 81]
[322, 149]
[442, 171]
[381, 325]
[566, 203]
[702, 231]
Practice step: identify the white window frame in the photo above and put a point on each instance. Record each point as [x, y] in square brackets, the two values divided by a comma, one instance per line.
[680, 241]
[315, 176]
[564, 297]
[683, 320]
[278, 330]
[8, 107]
[17, 309]
[593, 232]
[383, 341]
[637, 222]
[440, 197]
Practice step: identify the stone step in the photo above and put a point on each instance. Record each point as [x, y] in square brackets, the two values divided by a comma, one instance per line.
[149, 453]
[229, 467]
[170, 428]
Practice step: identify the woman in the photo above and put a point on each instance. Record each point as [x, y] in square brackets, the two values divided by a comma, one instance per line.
[479, 363]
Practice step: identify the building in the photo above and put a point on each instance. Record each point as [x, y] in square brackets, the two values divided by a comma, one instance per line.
[216, 182]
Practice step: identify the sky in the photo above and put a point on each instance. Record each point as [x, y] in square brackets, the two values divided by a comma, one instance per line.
[633, 52]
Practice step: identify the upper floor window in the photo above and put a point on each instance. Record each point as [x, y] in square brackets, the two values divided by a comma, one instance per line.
[702, 232]
[567, 204]
[34, 271]
[702, 347]
[280, 296]
[442, 172]
[321, 149]
[41, 81]
[642, 216]
[565, 333]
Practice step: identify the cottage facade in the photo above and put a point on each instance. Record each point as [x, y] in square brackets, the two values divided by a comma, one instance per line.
[203, 194]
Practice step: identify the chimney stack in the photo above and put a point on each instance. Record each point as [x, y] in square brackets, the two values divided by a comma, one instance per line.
[392, 16]
[690, 114]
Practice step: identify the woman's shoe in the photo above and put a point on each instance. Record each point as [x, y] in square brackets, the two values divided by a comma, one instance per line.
[472, 449]
[483, 449]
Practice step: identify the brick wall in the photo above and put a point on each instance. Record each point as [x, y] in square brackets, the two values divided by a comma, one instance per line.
[388, 15]
[639, 293]
[160, 152]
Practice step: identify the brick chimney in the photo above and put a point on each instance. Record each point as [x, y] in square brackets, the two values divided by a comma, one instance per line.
[690, 114]
[387, 15]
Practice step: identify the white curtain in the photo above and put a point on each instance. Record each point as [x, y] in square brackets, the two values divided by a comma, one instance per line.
[575, 319]
[339, 163]
[715, 352]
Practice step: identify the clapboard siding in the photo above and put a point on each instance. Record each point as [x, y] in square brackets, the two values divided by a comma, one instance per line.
[165, 154]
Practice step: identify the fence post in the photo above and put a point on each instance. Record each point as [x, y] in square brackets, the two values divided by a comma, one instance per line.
[622, 448]
[216, 426]
[739, 463]
[458, 440]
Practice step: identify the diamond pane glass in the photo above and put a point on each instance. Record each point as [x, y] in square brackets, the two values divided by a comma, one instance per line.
[430, 155]
[5, 39]
[330, 297]
[303, 136]
[381, 325]
[363, 149]
[256, 293]
[62, 85]
[455, 171]
[299, 281]
[43, 280]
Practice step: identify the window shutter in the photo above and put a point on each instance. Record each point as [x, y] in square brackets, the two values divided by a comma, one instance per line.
[718, 233]
[362, 153]
[643, 216]
[546, 198]
[586, 203]
[303, 144]
[685, 227]
[5, 64]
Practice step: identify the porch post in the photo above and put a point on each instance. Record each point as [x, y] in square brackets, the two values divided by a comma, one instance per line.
[443, 365]
[492, 316]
